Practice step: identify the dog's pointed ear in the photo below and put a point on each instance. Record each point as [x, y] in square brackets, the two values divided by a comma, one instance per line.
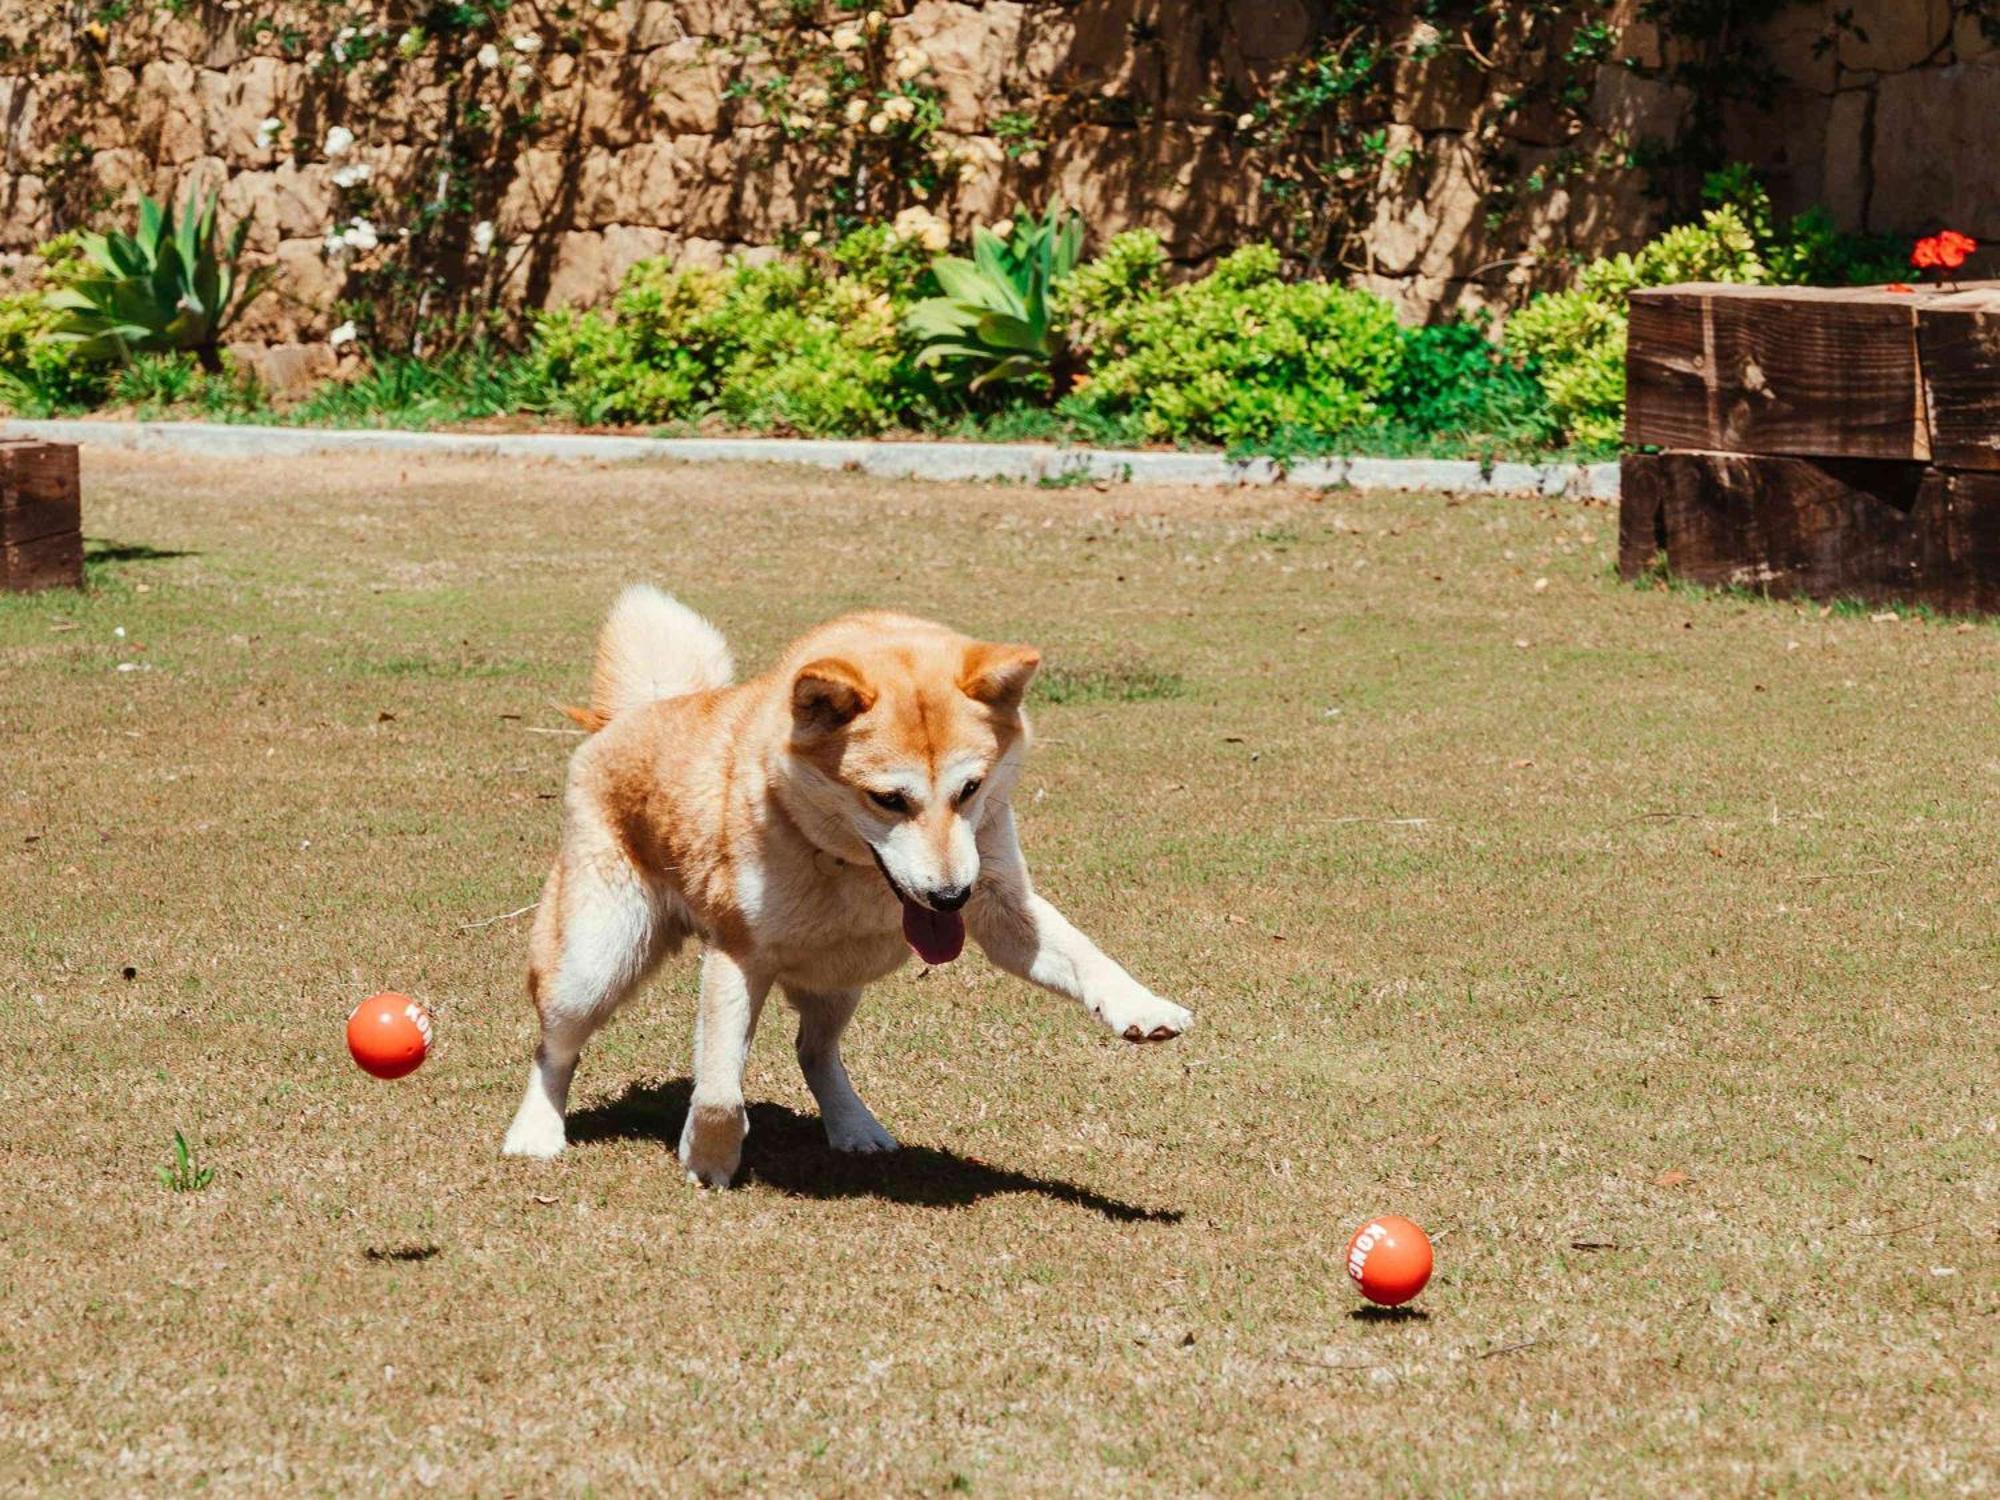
[998, 675]
[829, 694]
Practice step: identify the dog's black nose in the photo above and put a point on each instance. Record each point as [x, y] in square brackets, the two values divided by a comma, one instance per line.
[951, 898]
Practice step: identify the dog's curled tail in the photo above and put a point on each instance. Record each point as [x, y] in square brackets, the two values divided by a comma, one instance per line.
[652, 646]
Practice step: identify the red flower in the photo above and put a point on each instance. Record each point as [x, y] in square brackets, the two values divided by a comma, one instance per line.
[1946, 251]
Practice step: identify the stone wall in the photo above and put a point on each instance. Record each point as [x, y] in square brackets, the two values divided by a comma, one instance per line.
[534, 174]
[1890, 120]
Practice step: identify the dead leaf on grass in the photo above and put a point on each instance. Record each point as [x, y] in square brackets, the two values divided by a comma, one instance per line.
[1672, 1179]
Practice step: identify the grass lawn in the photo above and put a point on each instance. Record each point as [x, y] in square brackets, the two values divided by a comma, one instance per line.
[1641, 945]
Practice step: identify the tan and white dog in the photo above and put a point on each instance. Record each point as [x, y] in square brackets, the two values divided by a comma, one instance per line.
[811, 826]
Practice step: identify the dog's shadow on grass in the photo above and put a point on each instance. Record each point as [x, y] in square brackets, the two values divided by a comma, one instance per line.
[788, 1150]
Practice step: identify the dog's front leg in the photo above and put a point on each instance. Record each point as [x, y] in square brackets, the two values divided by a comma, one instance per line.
[726, 1020]
[850, 1124]
[1025, 935]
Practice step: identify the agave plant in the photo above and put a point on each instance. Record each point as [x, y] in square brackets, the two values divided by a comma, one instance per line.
[174, 287]
[996, 320]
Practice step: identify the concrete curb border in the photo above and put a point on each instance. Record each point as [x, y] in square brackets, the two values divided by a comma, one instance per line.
[888, 460]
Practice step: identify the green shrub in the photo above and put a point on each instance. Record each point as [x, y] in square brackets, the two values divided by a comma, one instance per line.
[1132, 269]
[793, 344]
[1807, 250]
[39, 378]
[172, 287]
[1451, 379]
[1242, 357]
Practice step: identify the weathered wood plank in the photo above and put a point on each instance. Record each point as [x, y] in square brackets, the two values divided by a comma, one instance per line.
[1824, 528]
[47, 562]
[1958, 341]
[1790, 370]
[40, 489]
[41, 516]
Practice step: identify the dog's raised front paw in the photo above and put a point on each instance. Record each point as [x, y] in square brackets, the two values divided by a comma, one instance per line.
[860, 1133]
[1145, 1017]
[712, 1143]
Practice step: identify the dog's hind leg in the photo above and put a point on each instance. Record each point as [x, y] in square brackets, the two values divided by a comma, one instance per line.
[850, 1124]
[598, 933]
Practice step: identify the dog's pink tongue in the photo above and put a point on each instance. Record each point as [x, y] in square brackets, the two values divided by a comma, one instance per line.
[938, 936]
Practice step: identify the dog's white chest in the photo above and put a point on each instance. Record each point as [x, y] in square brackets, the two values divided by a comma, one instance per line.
[829, 926]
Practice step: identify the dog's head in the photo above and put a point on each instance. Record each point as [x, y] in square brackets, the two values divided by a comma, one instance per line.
[903, 736]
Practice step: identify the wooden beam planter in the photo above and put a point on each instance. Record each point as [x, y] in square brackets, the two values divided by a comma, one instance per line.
[41, 516]
[1818, 441]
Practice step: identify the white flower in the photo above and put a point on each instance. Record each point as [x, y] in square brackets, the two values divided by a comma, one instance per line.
[877, 123]
[523, 72]
[1001, 229]
[846, 39]
[813, 98]
[482, 237]
[913, 62]
[809, 238]
[855, 111]
[902, 107]
[488, 56]
[339, 141]
[267, 133]
[1246, 121]
[926, 228]
[527, 45]
[356, 234]
[344, 334]
[345, 34]
[353, 174]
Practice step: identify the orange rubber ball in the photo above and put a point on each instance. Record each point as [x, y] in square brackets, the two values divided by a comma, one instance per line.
[1389, 1259]
[389, 1034]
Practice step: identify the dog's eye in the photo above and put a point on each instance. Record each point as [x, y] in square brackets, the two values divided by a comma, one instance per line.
[965, 792]
[894, 802]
